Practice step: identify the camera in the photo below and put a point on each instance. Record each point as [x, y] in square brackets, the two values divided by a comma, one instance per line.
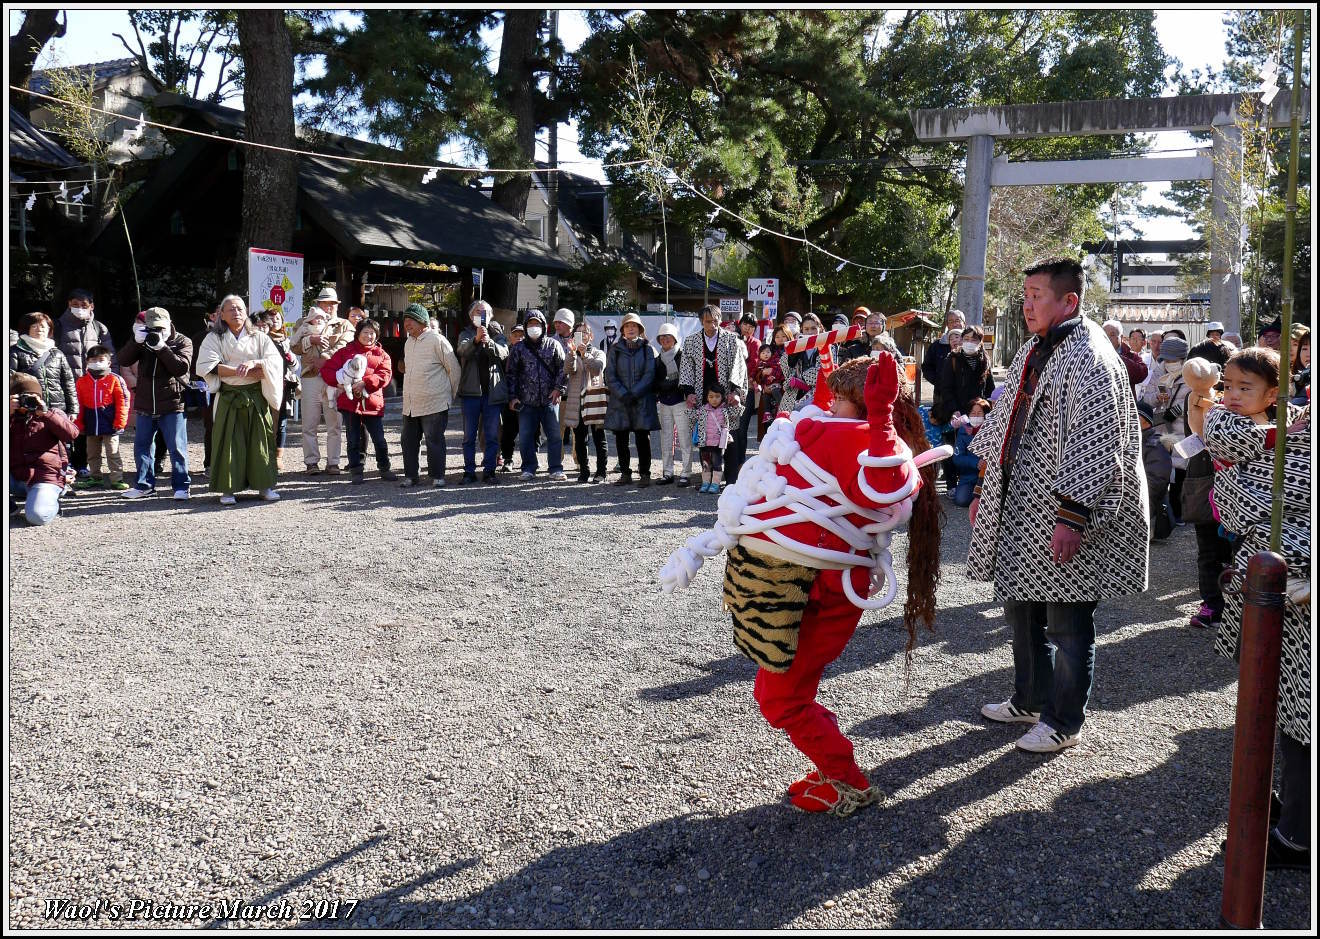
[29, 402]
[155, 339]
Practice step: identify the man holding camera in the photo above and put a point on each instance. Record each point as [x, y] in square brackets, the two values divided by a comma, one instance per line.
[163, 356]
[38, 457]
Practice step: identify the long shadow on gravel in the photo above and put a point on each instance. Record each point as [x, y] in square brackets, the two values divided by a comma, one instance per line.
[1091, 858]
[763, 868]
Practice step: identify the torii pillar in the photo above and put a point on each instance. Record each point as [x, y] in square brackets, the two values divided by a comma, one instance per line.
[975, 227]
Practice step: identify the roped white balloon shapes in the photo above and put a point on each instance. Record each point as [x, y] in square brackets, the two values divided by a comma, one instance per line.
[741, 508]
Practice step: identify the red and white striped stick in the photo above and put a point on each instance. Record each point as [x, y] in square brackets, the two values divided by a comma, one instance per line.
[803, 343]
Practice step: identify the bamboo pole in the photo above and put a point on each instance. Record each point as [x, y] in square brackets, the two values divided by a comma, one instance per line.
[1285, 334]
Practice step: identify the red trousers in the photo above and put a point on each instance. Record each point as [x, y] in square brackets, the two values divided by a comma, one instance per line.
[788, 699]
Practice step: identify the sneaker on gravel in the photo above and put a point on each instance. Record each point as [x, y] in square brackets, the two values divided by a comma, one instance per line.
[119, 486]
[181, 495]
[1042, 738]
[467, 478]
[136, 493]
[1007, 713]
[408, 483]
[1203, 618]
[665, 480]
[598, 478]
[834, 797]
[439, 482]
[491, 478]
[270, 495]
[313, 469]
[388, 477]
[559, 477]
[332, 470]
[684, 482]
[228, 499]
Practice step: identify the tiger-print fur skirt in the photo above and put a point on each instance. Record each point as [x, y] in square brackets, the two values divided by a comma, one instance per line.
[766, 597]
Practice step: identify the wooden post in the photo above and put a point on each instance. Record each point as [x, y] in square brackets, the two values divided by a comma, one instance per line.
[1253, 742]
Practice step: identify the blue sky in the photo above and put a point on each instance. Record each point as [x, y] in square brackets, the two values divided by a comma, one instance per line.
[1194, 36]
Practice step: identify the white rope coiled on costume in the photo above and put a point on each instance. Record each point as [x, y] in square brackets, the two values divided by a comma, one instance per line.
[760, 490]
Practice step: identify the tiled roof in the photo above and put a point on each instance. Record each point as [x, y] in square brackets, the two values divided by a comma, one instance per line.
[103, 72]
[29, 145]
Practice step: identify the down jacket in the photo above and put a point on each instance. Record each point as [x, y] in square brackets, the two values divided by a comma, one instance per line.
[630, 378]
[52, 369]
[162, 374]
[102, 405]
[74, 336]
[380, 372]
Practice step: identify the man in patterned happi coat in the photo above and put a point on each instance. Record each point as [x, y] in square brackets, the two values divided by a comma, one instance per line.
[1060, 521]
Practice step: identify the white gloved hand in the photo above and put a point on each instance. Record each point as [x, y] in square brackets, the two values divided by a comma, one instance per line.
[140, 332]
[1299, 591]
[1169, 441]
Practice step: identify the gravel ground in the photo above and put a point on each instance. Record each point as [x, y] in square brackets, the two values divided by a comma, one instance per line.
[473, 708]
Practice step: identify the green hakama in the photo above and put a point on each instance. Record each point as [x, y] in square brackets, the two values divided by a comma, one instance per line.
[243, 455]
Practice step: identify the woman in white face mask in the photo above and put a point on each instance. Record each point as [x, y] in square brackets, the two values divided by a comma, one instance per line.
[964, 377]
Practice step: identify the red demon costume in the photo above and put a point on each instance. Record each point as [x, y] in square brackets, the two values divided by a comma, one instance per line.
[807, 527]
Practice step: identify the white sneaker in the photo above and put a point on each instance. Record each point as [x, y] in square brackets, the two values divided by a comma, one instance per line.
[136, 493]
[181, 495]
[527, 477]
[1042, 738]
[558, 477]
[1007, 713]
[270, 495]
[228, 499]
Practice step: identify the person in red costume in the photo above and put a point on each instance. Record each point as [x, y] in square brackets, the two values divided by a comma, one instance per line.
[807, 528]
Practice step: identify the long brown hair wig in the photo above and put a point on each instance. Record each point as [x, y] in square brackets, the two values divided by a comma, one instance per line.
[924, 528]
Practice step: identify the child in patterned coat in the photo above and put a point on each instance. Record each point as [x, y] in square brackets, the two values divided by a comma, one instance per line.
[1240, 434]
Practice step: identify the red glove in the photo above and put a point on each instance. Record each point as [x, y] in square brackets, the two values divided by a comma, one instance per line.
[881, 393]
[881, 387]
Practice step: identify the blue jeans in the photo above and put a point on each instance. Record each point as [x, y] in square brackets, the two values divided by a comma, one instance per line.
[545, 417]
[1053, 659]
[359, 426]
[174, 428]
[480, 411]
[41, 502]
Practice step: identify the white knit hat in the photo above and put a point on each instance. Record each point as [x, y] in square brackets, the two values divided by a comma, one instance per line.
[564, 315]
[668, 329]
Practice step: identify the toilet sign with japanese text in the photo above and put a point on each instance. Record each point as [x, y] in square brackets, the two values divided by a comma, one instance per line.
[763, 289]
[275, 283]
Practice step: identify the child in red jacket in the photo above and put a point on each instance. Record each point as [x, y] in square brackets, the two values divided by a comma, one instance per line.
[102, 417]
[807, 527]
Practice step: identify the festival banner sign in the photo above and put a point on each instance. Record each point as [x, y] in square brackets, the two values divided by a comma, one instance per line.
[275, 282]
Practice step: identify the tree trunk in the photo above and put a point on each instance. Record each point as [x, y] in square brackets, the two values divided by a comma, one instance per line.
[270, 178]
[516, 84]
[39, 27]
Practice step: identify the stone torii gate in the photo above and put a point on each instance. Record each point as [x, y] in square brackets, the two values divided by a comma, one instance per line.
[1221, 164]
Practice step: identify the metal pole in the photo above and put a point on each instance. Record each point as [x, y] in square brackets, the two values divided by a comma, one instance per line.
[1253, 742]
[1289, 229]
